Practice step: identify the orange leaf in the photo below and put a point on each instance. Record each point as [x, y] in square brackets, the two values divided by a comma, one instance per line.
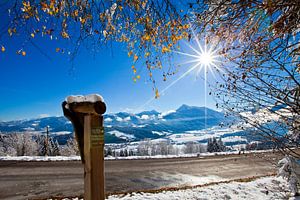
[165, 49]
[23, 53]
[156, 94]
[135, 58]
[57, 49]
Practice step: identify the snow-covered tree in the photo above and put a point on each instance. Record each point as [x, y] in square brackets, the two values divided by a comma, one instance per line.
[144, 148]
[18, 144]
[70, 149]
[194, 147]
[214, 145]
[290, 170]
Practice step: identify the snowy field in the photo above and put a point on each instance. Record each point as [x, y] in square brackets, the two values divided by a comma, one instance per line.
[259, 189]
[74, 158]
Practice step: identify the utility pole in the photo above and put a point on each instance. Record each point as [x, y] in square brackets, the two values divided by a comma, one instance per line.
[47, 140]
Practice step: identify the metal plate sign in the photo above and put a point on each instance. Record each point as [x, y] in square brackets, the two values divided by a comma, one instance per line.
[97, 137]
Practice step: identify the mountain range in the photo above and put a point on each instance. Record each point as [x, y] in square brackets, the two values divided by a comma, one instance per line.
[124, 126]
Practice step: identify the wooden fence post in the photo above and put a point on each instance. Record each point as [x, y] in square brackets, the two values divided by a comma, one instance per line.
[85, 113]
[94, 158]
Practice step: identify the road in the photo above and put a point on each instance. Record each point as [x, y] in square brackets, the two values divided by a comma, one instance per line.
[38, 180]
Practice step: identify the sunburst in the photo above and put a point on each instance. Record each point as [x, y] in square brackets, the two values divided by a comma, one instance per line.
[200, 58]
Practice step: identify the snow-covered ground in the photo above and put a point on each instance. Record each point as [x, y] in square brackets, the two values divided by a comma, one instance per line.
[204, 134]
[39, 158]
[72, 158]
[259, 189]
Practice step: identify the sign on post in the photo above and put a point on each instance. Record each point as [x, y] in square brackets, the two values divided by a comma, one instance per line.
[85, 113]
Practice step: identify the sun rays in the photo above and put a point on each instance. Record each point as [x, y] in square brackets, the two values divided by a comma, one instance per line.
[198, 58]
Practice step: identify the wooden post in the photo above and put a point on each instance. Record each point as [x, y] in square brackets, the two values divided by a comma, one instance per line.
[85, 113]
[94, 157]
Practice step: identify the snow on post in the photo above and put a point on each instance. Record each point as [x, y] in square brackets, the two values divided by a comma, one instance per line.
[89, 104]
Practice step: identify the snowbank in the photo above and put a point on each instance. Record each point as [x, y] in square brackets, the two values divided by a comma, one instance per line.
[260, 189]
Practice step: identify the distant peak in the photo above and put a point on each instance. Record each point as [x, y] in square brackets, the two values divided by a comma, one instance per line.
[183, 107]
[151, 112]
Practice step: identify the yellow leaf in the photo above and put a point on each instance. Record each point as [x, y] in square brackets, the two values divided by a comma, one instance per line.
[23, 53]
[147, 54]
[156, 94]
[138, 76]
[32, 35]
[135, 58]
[9, 31]
[165, 49]
[82, 20]
[186, 26]
[2, 48]
[134, 70]
[76, 13]
[64, 34]
[57, 49]
[146, 37]
[150, 74]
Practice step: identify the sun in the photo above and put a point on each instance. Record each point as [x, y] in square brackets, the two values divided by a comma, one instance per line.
[206, 58]
[201, 57]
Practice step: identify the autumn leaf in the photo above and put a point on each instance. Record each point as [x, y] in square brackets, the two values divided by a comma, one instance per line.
[64, 34]
[2, 48]
[135, 58]
[130, 53]
[76, 13]
[82, 20]
[138, 76]
[165, 49]
[156, 94]
[32, 35]
[23, 53]
[9, 31]
[147, 54]
[146, 37]
[186, 26]
[57, 49]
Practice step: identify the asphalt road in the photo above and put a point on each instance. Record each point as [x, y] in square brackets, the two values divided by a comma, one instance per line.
[37, 180]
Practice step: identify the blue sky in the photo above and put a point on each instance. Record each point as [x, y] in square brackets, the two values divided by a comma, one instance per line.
[35, 85]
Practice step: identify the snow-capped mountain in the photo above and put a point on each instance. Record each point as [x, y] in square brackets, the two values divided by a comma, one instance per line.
[123, 126]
